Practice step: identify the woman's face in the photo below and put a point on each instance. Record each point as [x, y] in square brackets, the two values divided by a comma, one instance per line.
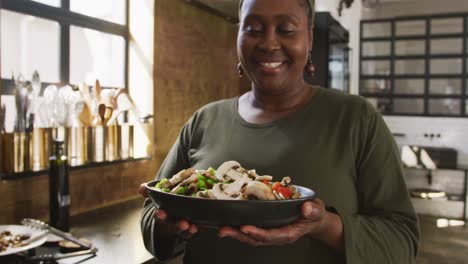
[273, 43]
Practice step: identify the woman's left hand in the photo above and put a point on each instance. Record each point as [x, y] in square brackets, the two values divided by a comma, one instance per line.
[315, 222]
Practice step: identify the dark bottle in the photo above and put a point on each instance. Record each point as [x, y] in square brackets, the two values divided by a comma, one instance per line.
[59, 194]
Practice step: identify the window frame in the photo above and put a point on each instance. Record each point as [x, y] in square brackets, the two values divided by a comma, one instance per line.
[427, 57]
[66, 18]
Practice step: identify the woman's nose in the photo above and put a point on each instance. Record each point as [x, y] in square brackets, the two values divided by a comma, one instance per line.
[269, 42]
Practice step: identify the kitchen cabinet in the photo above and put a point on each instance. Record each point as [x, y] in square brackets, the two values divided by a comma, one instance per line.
[416, 65]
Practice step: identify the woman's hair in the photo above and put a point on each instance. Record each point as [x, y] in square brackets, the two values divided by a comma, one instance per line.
[310, 4]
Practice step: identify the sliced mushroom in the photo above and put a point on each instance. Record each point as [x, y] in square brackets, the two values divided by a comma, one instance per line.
[264, 178]
[179, 177]
[192, 187]
[286, 181]
[208, 174]
[253, 173]
[236, 187]
[207, 194]
[275, 193]
[219, 193]
[225, 167]
[191, 179]
[259, 190]
[233, 175]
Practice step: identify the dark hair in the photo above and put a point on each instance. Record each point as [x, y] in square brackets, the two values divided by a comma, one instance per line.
[310, 5]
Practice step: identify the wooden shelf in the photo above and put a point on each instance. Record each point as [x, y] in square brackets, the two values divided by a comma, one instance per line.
[29, 174]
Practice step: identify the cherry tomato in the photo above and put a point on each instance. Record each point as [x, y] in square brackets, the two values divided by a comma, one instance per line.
[284, 191]
[276, 185]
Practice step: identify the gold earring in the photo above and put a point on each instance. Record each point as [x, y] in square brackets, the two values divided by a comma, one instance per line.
[240, 70]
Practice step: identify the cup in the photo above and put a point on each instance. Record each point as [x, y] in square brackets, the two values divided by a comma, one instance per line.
[112, 142]
[77, 145]
[126, 141]
[15, 152]
[39, 148]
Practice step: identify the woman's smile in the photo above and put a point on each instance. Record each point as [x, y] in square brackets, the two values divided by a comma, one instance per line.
[272, 68]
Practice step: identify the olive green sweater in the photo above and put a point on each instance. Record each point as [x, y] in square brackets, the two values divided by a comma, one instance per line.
[337, 145]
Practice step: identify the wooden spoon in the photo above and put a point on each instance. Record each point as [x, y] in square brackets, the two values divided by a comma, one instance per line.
[98, 91]
[105, 112]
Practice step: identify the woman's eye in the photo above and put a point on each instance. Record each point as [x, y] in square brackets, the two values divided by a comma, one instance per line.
[286, 31]
[253, 29]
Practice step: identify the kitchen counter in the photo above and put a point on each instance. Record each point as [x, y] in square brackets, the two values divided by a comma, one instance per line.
[113, 230]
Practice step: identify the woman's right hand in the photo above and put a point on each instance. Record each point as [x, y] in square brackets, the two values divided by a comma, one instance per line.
[181, 228]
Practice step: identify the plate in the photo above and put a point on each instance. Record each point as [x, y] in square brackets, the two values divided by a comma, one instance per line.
[214, 213]
[19, 229]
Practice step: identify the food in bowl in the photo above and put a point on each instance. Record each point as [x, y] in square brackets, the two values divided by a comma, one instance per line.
[229, 182]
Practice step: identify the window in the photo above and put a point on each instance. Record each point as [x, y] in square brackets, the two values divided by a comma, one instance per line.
[416, 65]
[74, 41]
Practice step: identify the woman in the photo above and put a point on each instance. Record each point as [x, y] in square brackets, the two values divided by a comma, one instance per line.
[333, 143]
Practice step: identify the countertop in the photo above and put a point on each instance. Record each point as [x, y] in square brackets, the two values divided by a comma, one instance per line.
[113, 230]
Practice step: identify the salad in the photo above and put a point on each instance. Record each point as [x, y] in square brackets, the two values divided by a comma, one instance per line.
[229, 182]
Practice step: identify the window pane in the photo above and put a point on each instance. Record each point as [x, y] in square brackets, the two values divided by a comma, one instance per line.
[446, 106]
[382, 29]
[383, 105]
[375, 86]
[376, 48]
[376, 67]
[96, 55]
[409, 67]
[446, 66]
[447, 46]
[406, 28]
[408, 106]
[410, 47]
[446, 25]
[445, 86]
[55, 3]
[409, 86]
[110, 10]
[28, 44]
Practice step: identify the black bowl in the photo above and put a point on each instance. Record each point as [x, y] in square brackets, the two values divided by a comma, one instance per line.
[214, 213]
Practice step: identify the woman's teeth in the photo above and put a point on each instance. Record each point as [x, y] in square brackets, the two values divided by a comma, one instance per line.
[271, 65]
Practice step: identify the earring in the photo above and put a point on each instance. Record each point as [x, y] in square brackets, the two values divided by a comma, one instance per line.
[310, 68]
[240, 70]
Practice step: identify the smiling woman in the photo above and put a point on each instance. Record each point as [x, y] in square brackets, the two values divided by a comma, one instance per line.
[335, 144]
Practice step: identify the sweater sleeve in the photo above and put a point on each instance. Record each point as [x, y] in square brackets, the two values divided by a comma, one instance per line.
[385, 228]
[164, 248]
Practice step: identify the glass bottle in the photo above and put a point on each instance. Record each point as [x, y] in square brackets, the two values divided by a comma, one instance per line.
[59, 194]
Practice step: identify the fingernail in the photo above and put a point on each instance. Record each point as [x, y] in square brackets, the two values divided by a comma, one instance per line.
[222, 235]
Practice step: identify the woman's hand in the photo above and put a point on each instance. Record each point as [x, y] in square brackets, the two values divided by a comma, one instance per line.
[316, 222]
[168, 228]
